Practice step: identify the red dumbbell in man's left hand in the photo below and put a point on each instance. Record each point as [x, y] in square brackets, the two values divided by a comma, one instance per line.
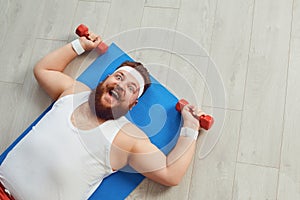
[206, 121]
[83, 31]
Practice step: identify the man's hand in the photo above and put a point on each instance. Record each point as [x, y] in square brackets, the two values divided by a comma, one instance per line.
[92, 42]
[190, 115]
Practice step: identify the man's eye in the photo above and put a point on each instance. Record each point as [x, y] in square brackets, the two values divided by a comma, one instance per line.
[118, 77]
[131, 89]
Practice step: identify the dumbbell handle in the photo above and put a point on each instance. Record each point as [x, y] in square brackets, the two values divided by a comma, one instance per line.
[83, 31]
[206, 121]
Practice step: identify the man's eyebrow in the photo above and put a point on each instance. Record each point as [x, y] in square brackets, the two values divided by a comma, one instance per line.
[133, 83]
[118, 72]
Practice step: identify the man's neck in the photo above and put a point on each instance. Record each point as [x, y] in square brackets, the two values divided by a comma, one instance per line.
[83, 118]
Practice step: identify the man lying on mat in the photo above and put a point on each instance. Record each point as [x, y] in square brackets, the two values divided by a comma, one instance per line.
[85, 136]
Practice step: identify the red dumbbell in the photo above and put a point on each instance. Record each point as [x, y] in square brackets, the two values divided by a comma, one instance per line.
[83, 30]
[206, 121]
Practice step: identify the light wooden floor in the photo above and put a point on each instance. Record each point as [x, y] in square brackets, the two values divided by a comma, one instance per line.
[255, 45]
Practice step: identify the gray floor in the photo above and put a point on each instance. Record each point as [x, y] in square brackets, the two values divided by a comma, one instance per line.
[253, 45]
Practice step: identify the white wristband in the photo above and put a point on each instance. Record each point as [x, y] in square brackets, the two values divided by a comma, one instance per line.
[77, 47]
[188, 132]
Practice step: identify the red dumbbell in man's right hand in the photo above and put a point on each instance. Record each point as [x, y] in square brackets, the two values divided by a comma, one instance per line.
[206, 121]
[83, 31]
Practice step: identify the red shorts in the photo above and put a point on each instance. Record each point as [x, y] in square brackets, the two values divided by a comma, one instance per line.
[4, 195]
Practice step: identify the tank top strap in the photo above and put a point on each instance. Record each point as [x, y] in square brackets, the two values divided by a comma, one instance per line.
[112, 127]
[80, 98]
[76, 99]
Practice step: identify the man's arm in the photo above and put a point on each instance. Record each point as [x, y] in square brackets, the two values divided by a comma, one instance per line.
[49, 70]
[147, 159]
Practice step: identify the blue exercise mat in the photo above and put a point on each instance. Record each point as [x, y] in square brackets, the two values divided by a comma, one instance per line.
[155, 114]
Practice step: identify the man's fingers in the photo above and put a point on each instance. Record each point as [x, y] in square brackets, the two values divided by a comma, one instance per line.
[200, 113]
[194, 111]
[189, 107]
[93, 37]
[98, 40]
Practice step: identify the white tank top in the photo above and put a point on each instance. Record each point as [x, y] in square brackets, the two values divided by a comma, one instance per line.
[55, 160]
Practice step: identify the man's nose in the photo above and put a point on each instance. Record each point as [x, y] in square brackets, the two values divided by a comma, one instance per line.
[120, 87]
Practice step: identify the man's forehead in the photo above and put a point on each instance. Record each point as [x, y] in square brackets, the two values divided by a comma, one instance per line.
[128, 76]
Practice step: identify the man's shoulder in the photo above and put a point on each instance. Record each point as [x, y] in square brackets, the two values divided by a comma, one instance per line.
[128, 136]
[133, 132]
[77, 87]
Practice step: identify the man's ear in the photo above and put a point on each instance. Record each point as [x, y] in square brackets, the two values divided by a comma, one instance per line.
[133, 104]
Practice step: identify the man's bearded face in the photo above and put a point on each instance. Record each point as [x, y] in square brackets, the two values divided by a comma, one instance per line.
[111, 100]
